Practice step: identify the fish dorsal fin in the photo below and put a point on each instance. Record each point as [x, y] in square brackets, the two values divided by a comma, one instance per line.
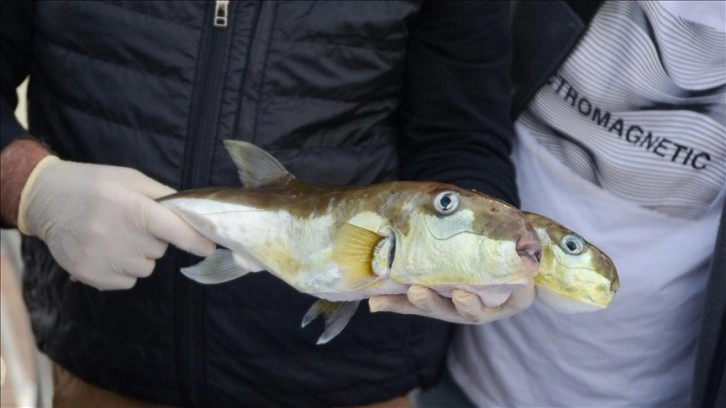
[336, 314]
[353, 252]
[256, 167]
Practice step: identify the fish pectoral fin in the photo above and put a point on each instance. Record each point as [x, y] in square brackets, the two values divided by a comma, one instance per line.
[247, 262]
[222, 266]
[336, 314]
[353, 252]
[256, 167]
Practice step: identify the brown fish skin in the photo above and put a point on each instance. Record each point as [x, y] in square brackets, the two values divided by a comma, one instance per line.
[398, 205]
[348, 243]
[592, 278]
[498, 219]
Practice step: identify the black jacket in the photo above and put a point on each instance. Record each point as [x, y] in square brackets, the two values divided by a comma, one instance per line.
[544, 33]
[341, 92]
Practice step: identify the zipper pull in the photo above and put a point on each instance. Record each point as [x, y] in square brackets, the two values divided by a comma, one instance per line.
[220, 13]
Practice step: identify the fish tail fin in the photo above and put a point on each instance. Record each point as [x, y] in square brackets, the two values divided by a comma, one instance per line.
[336, 314]
[222, 266]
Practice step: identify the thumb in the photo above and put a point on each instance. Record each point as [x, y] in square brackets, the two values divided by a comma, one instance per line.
[387, 303]
[163, 224]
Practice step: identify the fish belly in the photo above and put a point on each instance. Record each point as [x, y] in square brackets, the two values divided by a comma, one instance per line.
[296, 250]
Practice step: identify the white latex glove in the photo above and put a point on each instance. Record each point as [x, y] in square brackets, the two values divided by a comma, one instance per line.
[101, 223]
[463, 307]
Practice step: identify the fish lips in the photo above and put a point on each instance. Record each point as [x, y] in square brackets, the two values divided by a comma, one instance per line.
[529, 248]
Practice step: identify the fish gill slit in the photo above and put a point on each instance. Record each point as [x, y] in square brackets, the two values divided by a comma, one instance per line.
[392, 252]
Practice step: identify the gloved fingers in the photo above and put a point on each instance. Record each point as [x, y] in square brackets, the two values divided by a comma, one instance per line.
[163, 224]
[144, 184]
[131, 267]
[152, 248]
[112, 273]
[140, 267]
[115, 282]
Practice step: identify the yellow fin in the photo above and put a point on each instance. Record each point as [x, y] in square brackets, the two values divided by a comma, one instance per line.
[353, 251]
[336, 315]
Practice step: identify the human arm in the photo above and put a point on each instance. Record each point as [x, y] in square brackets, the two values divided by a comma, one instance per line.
[18, 160]
[101, 223]
[455, 115]
[456, 129]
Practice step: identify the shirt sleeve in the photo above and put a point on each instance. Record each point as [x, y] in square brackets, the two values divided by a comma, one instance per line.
[16, 18]
[457, 97]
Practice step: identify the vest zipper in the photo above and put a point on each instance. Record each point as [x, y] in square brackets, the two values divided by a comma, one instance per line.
[220, 13]
[207, 99]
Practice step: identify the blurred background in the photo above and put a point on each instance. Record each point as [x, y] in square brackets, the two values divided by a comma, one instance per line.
[27, 372]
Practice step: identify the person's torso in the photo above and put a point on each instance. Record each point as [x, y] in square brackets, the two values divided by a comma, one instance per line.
[626, 145]
[161, 79]
[157, 86]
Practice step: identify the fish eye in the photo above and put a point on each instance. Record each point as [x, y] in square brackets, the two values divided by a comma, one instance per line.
[572, 244]
[446, 202]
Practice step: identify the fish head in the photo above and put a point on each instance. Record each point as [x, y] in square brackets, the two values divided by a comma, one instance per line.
[453, 238]
[574, 275]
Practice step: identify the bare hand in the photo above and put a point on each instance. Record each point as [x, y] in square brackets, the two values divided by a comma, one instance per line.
[463, 307]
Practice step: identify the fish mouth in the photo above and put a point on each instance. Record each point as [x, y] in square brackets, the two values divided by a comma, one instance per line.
[529, 247]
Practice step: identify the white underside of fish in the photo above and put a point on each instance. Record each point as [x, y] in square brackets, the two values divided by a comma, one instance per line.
[297, 251]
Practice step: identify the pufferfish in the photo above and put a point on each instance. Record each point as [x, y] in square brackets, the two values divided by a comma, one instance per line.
[344, 244]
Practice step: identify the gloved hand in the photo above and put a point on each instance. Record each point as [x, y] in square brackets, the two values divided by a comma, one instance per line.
[463, 307]
[101, 223]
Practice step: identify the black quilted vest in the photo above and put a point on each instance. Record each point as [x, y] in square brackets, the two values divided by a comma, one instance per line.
[293, 77]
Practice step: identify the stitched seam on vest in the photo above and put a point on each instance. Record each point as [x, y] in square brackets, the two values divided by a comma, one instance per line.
[84, 326]
[149, 15]
[261, 87]
[72, 105]
[369, 102]
[360, 147]
[361, 47]
[118, 64]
